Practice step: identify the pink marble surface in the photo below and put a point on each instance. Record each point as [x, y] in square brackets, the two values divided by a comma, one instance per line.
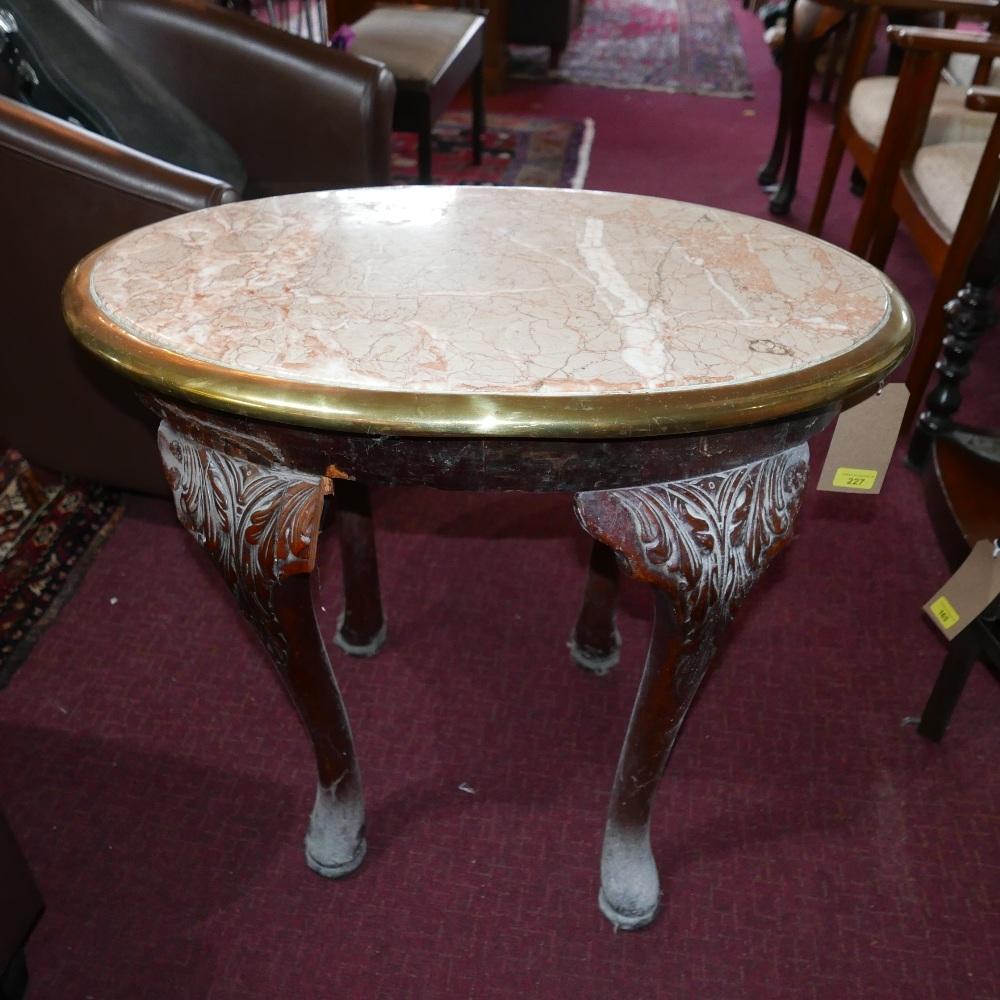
[489, 290]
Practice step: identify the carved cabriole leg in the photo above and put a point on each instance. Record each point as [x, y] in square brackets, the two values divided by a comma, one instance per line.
[361, 630]
[260, 526]
[596, 642]
[701, 543]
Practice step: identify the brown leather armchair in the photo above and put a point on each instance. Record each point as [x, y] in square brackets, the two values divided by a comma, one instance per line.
[300, 117]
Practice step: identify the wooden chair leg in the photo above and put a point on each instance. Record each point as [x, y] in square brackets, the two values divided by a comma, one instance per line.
[478, 114]
[834, 56]
[962, 653]
[885, 236]
[595, 643]
[831, 167]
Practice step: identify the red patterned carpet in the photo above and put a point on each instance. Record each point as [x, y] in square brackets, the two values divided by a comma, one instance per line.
[812, 846]
[517, 150]
[679, 46]
[49, 532]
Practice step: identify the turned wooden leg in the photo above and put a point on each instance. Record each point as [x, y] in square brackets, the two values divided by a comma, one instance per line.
[361, 629]
[260, 526]
[595, 642]
[701, 543]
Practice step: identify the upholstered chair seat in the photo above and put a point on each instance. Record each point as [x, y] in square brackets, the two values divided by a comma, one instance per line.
[950, 120]
[942, 176]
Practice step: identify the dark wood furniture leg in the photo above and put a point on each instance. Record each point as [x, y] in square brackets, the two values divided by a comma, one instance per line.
[478, 113]
[802, 62]
[14, 978]
[768, 174]
[596, 642]
[260, 525]
[969, 315]
[963, 651]
[20, 909]
[361, 629]
[701, 543]
[424, 168]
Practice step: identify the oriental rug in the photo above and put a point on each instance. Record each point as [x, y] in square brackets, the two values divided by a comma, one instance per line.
[517, 150]
[49, 531]
[680, 46]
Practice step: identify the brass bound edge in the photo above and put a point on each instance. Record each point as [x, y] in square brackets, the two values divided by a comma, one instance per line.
[843, 379]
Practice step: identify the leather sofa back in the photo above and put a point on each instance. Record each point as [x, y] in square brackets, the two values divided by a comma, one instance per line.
[74, 67]
[229, 68]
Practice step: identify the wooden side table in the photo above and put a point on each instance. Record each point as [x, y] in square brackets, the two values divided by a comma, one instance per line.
[664, 362]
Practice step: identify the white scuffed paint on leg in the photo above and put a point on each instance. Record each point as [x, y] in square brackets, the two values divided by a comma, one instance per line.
[630, 885]
[335, 843]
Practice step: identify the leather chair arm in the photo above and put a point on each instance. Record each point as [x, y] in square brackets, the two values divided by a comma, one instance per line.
[69, 192]
[300, 116]
[32, 135]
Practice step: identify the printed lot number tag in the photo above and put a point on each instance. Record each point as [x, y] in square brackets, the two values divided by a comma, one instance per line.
[968, 593]
[858, 479]
[863, 441]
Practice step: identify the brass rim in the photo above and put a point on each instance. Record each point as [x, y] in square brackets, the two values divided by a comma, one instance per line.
[846, 377]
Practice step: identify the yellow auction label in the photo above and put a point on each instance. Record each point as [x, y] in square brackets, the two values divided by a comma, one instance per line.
[855, 479]
[944, 612]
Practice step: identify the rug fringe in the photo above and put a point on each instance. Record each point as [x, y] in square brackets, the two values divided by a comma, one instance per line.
[583, 154]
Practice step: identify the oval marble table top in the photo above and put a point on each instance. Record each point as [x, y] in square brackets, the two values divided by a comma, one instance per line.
[489, 310]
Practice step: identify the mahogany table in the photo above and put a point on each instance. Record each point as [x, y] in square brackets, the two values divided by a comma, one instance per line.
[664, 362]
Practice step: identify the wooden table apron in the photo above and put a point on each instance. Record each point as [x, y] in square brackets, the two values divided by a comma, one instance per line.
[696, 516]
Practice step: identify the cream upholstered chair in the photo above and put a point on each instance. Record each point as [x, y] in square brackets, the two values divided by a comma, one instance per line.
[864, 102]
[942, 193]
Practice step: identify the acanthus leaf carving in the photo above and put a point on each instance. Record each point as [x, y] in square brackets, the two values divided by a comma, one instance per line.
[704, 540]
[259, 524]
